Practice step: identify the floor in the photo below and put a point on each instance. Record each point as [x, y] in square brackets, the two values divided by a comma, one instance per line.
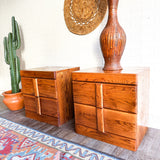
[148, 150]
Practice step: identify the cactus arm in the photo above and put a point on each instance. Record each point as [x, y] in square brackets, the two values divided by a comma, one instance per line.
[6, 54]
[15, 34]
[18, 41]
[13, 29]
[14, 37]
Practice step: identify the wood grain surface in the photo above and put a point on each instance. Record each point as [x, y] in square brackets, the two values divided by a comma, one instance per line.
[30, 103]
[112, 39]
[107, 137]
[47, 72]
[65, 97]
[50, 98]
[47, 88]
[121, 104]
[84, 93]
[120, 123]
[85, 115]
[51, 109]
[43, 118]
[125, 76]
[27, 86]
[100, 120]
[120, 97]
[99, 95]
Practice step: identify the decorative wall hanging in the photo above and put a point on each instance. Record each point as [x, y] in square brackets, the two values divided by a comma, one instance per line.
[83, 16]
[112, 39]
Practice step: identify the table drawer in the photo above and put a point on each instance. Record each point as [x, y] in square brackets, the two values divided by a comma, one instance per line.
[46, 106]
[27, 86]
[120, 97]
[43, 118]
[49, 107]
[120, 123]
[39, 87]
[84, 93]
[85, 115]
[47, 88]
[30, 103]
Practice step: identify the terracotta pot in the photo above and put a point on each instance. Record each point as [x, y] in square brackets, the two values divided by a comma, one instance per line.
[112, 39]
[14, 101]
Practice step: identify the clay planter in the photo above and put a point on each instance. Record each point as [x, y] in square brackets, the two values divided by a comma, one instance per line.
[14, 101]
[112, 39]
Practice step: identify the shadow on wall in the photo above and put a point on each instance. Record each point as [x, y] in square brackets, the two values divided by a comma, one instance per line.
[2, 105]
[20, 50]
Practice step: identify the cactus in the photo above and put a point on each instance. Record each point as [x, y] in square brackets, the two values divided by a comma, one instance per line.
[11, 44]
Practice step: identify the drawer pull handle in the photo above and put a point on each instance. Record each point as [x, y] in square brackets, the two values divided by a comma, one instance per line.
[99, 107]
[35, 85]
[100, 120]
[38, 106]
[99, 95]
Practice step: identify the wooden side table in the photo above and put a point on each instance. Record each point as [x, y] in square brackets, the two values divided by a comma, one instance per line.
[112, 106]
[48, 94]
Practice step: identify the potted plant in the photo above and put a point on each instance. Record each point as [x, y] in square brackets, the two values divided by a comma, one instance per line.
[13, 99]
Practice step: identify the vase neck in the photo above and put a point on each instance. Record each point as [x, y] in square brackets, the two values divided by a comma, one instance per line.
[113, 5]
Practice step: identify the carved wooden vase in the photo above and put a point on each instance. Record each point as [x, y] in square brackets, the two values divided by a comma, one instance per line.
[112, 39]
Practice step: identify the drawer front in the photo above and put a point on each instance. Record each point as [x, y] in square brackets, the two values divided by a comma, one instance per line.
[85, 115]
[43, 118]
[120, 123]
[30, 103]
[84, 93]
[120, 141]
[110, 121]
[49, 107]
[41, 106]
[120, 97]
[39, 87]
[47, 88]
[27, 86]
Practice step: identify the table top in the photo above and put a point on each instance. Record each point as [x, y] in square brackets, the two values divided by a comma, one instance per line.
[128, 70]
[130, 75]
[46, 72]
[49, 68]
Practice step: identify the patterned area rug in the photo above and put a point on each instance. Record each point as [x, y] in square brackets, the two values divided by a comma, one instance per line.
[18, 142]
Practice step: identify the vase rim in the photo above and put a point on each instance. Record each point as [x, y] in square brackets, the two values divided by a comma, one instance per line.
[9, 93]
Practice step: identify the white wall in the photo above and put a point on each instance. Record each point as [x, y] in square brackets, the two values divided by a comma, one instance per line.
[47, 41]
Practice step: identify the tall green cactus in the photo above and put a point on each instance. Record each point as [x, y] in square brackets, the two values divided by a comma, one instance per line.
[12, 43]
